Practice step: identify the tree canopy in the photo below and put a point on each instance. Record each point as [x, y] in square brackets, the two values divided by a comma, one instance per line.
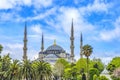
[115, 63]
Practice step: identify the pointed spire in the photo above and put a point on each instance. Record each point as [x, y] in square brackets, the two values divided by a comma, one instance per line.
[72, 43]
[25, 43]
[42, 43]
[55, 42]
[81, 45]
[72, 29]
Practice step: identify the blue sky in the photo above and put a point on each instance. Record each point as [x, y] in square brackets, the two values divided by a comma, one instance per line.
[98, 20]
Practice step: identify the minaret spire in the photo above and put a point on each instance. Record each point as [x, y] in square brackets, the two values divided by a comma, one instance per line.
[72, 43]
[54, 42]
[81, 45]
[25, 43]
[42, 43]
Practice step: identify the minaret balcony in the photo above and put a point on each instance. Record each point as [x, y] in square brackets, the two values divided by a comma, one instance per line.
[71, 38]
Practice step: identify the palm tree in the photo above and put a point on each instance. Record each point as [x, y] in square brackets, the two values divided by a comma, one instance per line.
[14, 71]
[87, 51]
[4, 66]
[27, 71]
[43, 70]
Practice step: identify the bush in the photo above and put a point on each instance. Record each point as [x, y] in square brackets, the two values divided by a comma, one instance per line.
[92, 72]
[115, 78]
[79, 77]
[103, 78]
[95, 77]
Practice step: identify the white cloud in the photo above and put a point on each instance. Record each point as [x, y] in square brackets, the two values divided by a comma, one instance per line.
[105, 56]
[64, 20]
[10, 4]
[5, 4]
[42, 3]
[14, 46]
[41, 16]
[106, 60]
[27, 2]
[108, 35]
[16, 51]
[32, 54]
[98, 5]
[36, 29]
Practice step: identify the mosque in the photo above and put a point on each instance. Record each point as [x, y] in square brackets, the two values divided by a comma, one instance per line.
[54, 51]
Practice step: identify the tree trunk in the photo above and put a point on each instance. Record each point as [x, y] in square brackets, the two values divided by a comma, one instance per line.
[87, 68]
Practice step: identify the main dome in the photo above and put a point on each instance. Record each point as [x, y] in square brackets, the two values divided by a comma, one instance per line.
[55, 48]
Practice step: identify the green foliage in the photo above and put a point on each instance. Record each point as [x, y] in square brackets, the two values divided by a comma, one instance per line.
[92, 72]
[97, 63]
[87, 50]
[95, 77]
[59, 67]
[115, 63]
[103, 78]
[63, 61]
[4, 66]
[42, 70]
[27, 70]
[14, 70]
[81, 65]
[79, 77]
[71, 73]
[67, 73]
[115, 78]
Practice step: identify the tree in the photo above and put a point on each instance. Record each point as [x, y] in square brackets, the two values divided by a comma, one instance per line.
[71, 73]
[81, 65]
[116, 73]
[1, 48]
[14, 71]
[87, 51]
[63, 61]
[59, 67]
[95, 77]
[92, 72]
[27, 70]
[43, 70]
[4, 66]
[103, 78]
[115, 63]
[97, 63]
[67, 73]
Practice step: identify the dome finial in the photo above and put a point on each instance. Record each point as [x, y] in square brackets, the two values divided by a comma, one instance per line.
[55, 42]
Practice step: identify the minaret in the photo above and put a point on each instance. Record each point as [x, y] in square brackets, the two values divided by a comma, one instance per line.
[72, 43]
[42, 43]
[25, 43]
[81, 45]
